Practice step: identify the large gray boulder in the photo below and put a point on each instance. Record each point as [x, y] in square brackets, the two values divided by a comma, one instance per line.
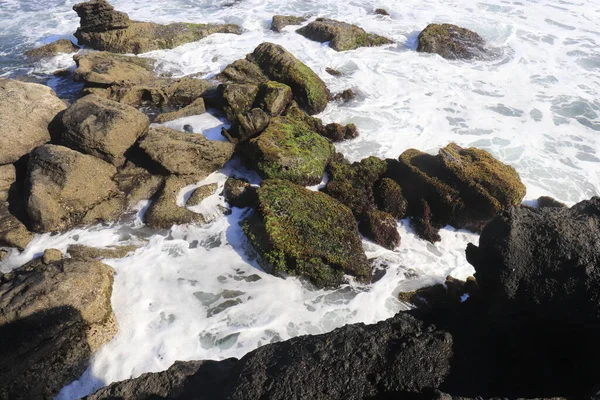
[102, 128]
[26, 111]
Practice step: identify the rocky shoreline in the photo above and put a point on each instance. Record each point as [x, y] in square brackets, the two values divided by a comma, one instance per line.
[64, 166]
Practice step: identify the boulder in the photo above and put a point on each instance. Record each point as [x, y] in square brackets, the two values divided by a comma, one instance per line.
[243, 71]
[389, 198]
[164, 211]
[8, 176]
[104, 28]
[547, 201]
[451, 42]
[288, 149]
[52, 49]
[238, 99]
[197, 107]
[13, 233]
[51, 255]
[333, 72]
[239, 193]
[54, 316]
[65, 186]
[185, 154]
[281, 21]
[396, 358]
[78, 251]
[102, 128]
[341, 35]
[274, 98]
[26, 111]
[137, 184]
[106, 69]
[333, 131]
[200, 194]
[303, 233]
[381, 228]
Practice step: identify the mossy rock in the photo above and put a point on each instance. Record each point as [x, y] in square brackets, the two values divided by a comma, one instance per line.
[238, 99]
[333, 131]
[274, 98]
[389, 198]
[243, 71]
[381, 228]
[451, 42]
[239, 193]
[304, 233]
[281, 21]
[341, 35]
[289, 149]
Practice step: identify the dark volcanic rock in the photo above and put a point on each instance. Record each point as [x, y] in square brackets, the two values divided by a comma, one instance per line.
[52, 49]
[451, 42]
[341, 35]
[281, 21]
[402, 355]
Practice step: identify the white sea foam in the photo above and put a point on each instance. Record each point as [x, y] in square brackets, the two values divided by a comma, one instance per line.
[196, 292]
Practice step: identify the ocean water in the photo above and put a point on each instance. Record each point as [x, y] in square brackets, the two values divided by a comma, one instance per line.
[196, 292]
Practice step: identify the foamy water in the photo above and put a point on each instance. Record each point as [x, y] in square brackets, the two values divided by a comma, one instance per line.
[196, 292]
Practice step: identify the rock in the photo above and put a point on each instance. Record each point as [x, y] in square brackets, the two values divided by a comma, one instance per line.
[381, 11]
[54, 316]
[239, 193]
[196, 108]
[78, 251]
[451, 42]
[334, 131]
[238, 99]
[333, 72]
[52, 49]
[200, 194]
[246, 126]
[137, 184]
[3, 254]
[345, 96]
[185, 154]
[51, 255]
[401, 355]
[164, 211]
[546, 201]
[188, 128]
[103, 28]
[281, 21]
[421, 221]
[13, 233]
[448, 295]
[288, 149]
[389, 198]
[65, 186]
[102, 128]
[274, 98]
[281, 66]
[303, 233]
[243, 71]
[381, 228]
[8, 176]
[104, 68]
[341, 35]
[26, 111]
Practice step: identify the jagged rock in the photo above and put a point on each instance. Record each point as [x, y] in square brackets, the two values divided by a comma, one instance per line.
[164, 211]
[333, 131]
[546, 201]
[238, 99]
[247, 126]
[52, 49]
[78, 251]
[400, 355]
[196, 108]
[8, 175]
[447, 295]
[451, 42]
[341, 35]
[102, 128]
[26, 111]
[381, 228]
[200, 194]
[274, 98]
[51, 255]
[103, 28]
[304, 233]
[54, 317]
[281, 21]
[184, 154]
[13, 233]
[137, 184]
[239, 193]
[288, 149]
[389, 198]
[65, 186]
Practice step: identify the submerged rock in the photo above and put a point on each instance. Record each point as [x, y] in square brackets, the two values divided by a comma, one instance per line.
[451, 42]
[341, 35]
[239, 193]
[300, 232]
[52, 49]
[26, 112]
[381, 11]
[54, 316]
[200, 194]
[82, 252]
[103, 28]
[281, 21]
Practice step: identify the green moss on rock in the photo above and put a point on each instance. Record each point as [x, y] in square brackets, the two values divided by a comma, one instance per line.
[451, 42]
[381, 228]
[341, 35]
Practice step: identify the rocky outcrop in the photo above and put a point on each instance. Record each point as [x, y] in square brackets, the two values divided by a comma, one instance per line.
[300, 232]
[281, 21]
[106, 69]
[451, 42]
[239, 193]
[341, 35]
[389, 198]
[164, 212]
[185, 154]
[103, 28]
[274, 98]
[26, 111]
[52, 49]
[289, 149]
[54, 316]
[67, 188]
[102, 128]
[8, 175]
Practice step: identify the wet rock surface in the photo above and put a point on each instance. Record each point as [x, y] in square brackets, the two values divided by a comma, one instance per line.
[341, 35]
[52, 49]
[200, 194]
[164, 212]
[281, 21]
[451, 42]
[239, 193]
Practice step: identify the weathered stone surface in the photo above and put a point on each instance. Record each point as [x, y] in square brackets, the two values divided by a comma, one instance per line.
[26, 111]
[54, 317]
[94, 253]
[288, 149]
[64, 186]
[3, 254]
[164, 211]
[381, 11]
[333, 131]
[104, 68]
[8, 176]
[102, 128]
[184, 154]
[200, 194]
[243, 71]
[381, 228]
[239, 193]
[246, 126]
[281, 21]
[51, 255]
[195, 108]
[304, 233]
[341, 35]
[402, 355]
[103, 28]
[52, 49]
[137, 184]
[238, 99]
[12, 231]
[274, 98]
[451, 42]
[389, 198]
